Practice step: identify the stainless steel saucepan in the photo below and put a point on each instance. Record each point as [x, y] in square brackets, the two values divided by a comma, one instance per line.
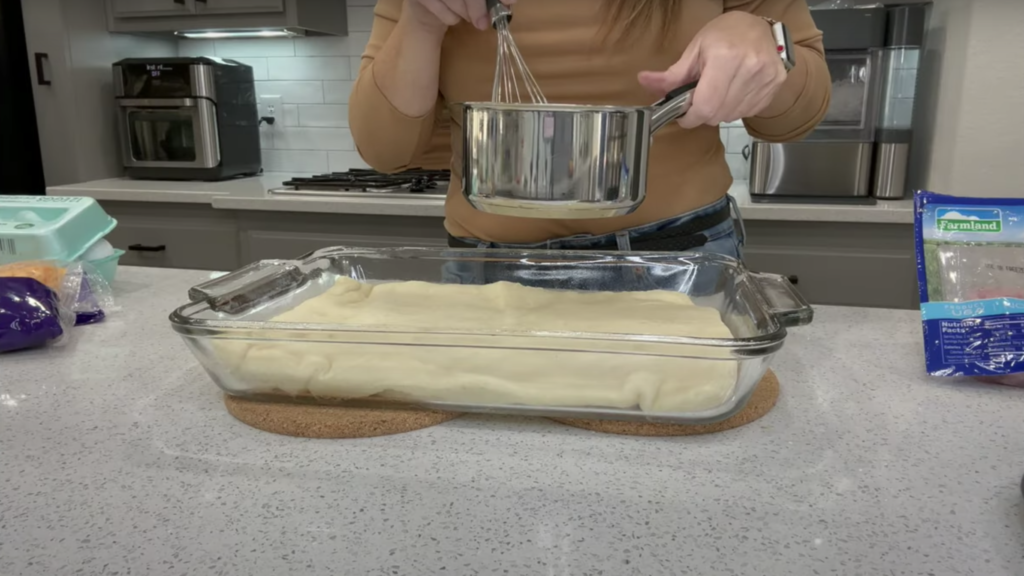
[561, 160]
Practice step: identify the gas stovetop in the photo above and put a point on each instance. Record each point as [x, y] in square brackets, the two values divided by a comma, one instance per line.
[414, 183]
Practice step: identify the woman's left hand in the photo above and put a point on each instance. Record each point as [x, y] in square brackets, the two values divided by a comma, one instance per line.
[737, 62]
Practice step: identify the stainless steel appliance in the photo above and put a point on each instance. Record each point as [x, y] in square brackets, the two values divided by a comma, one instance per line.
[415, 183]
[860, 150]
[561, 160]
[187, 118]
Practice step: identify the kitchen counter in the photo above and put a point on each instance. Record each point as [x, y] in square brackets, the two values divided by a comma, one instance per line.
[169, 191]
[251, 194]
[117, 457]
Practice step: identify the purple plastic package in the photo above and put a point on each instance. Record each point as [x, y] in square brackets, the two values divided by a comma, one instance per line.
[29, 314]
[87, 308]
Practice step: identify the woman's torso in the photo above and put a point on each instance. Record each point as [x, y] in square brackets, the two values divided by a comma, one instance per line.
[575, 61]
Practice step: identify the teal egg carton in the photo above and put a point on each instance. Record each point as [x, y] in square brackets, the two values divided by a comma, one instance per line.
[57, 228]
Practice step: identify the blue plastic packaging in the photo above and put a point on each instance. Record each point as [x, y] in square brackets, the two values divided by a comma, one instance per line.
[970, 261]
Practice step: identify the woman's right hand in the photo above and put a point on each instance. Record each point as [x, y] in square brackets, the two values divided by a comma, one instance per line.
[438, 15]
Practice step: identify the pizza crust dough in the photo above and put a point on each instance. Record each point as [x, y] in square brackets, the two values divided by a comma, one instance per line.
[389, 358]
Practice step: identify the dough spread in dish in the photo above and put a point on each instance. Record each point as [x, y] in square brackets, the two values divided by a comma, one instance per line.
[490, 369]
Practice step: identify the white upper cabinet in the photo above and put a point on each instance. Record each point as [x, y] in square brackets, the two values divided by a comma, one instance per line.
[169, 16]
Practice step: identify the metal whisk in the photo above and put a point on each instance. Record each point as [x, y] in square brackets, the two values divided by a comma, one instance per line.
[510, 70]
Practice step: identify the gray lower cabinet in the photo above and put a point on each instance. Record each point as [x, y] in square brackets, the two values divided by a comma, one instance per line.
[832, 263]
[265, 235]
[847, 264]
[174, 236]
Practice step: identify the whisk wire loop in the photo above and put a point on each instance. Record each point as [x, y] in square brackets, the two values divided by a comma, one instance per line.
[510, 69]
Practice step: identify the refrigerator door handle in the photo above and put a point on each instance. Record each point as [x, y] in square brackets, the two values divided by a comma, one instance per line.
[41, 58]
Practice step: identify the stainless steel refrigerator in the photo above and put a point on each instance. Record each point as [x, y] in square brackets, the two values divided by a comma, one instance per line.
[21, 164]
[57, 112]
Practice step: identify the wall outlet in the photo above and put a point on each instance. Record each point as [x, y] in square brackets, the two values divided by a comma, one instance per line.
[270, 106]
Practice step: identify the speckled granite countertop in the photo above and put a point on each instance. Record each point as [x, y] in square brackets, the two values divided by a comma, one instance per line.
[252, 194]
[117, 457]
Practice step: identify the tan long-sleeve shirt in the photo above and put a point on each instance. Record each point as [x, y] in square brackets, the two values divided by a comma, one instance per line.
[574, 61]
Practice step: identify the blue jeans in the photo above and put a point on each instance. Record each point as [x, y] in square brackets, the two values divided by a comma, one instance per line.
[722, 239]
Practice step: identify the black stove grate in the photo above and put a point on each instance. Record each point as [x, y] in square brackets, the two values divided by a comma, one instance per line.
[415, 180]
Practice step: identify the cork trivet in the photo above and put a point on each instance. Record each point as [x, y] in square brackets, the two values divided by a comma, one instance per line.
[314, 421]
[761, 402]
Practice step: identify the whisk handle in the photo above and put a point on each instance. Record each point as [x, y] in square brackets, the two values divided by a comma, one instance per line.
[498, 11]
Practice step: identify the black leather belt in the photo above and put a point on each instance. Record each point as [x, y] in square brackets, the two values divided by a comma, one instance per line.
[681, 237]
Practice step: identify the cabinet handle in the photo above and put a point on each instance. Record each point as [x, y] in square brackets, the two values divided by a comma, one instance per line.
[144, 248]
[182, 2]
[201, 1]
[40, 70]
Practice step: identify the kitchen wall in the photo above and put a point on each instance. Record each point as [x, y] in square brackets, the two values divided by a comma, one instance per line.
[313, 77]
[737, 149]
[970, 118]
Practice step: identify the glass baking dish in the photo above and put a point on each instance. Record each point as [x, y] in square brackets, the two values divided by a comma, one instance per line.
[230, 326]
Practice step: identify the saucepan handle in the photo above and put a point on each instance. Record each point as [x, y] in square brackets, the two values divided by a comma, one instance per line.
[672, 106]
[250, 286]
[784, 301]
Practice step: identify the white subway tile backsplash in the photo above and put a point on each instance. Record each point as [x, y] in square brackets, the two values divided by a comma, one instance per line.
[734, 138]
[312, 161]
[301, 138]
[357, 42]
[738, 139]
[340, 161]
[351, 45]
[308, 68]
[293, 91]
[322, 46]
[360, 18]
[324, 116]
[354, 63]
[191, 48]
[289, 115]
[738, 166]
[266, 136]
[255, 47]
[337, 92]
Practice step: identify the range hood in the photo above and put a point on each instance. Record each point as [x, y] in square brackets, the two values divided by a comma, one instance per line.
[239, 33]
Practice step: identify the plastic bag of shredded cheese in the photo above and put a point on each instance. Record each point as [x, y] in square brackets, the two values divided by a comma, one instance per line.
[970, 260]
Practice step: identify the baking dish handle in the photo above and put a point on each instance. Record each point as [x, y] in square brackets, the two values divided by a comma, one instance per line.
[784, 301]
[249, 286]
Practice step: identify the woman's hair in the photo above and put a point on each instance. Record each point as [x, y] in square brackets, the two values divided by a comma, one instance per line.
[627, 17]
